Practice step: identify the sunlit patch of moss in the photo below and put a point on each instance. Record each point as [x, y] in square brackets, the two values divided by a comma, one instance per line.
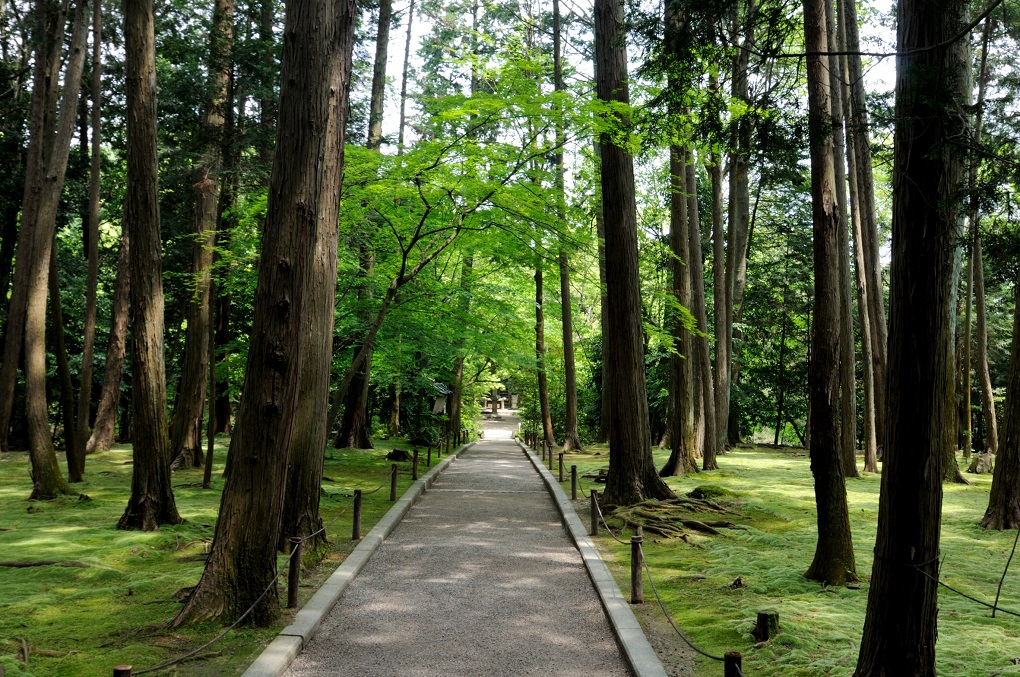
[820, 628]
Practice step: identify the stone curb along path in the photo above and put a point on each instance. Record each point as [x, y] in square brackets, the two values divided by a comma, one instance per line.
[282, 651]
[639, 653]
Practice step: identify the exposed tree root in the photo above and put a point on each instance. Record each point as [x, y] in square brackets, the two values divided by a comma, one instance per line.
[673, 518]
[45, 563]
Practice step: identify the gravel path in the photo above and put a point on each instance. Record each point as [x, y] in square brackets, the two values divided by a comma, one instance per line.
[479, 579]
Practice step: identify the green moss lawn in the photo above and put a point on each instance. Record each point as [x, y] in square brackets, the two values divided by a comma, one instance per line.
[83, 620]
[821, 628]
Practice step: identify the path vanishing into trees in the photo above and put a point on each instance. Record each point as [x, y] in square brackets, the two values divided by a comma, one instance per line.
[480, 578]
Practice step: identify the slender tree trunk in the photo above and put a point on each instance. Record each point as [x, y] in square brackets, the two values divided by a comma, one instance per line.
[600, 231]
[382, 43]
[304, 196]
[543, 385]
[981, 329]
[834, 554]
[75, 460]
[403, 78]
[900, 626]
[721, 301]
[103, 436]
[186, 424]
[702, 361]
[632, 477]
[858, 127]
[152, 499]
[457, 396]
[92, 239]
[681, 376]
[781, 377]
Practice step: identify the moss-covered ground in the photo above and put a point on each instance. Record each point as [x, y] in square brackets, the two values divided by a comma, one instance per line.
[820, 628]
[83, 620]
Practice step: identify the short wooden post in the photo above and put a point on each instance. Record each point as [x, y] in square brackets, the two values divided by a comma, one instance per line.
[356, 529]
[767, 625]
[594, 512]
[550, 458]
[561, 466]
[393, 482]
[573, 483]
[122, 671]
[428, 457]
[731, 664]
[637, 587]
[414, 466]
[294, 575]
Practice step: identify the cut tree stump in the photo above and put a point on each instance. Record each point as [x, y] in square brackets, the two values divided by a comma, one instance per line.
[767, 625]
[399, 455]
[981, 464]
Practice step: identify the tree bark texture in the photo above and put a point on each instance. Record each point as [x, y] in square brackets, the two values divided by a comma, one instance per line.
[186, 424]
[632, 477]
[303, 202]
[981, 332]
[720, 302]
[833, 562]
[403, 78]
[92, 235]
[681, 375]
[1004, 501]
[152, 500]
[600, 230]
[382, 43]
[75, 456]
[702, 354]
[457, 396]
[543, 382]
[50, 18]
[103, 431]
[900, 626]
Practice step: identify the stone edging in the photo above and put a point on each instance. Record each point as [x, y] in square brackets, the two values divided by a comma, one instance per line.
[639, 653]
[281, 652]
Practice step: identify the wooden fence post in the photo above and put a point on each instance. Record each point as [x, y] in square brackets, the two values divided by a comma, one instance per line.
[294, 574]
[393, 482]
[356, 529]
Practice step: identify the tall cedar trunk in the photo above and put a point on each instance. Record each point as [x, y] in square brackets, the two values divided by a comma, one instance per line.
[1004, 502]
[543, 384]
[403, 78]
[571, 437]
[702, 358]
[382, 42]
[900, 626]
[102, 437]
[354, 431]
[864, 313]
[600, 230]
[847, 382]
[457, 396]
[833, 562]
[50, 18]
[781, 376]
[186, 424]
[681, 375]
[303, 203]
[91, 239]
[393, 425]
[972, 172]
[720, 303]
[224, 227]
[46, 484]
[858, 127]
[152, 499]
[981, 331]
[75, 460]
[632, 477]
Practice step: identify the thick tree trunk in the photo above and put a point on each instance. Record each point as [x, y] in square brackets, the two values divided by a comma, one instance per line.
[103, 432]
[900, 626]
[834, 554]
[543, 384]
[858, 127]
[632, 477]
[152, 498]
[92, 237]
[702, 356]
[50, 18]
[303, 202]
[186, 424]
[681, 375]
[1004, 501]
[75, 456]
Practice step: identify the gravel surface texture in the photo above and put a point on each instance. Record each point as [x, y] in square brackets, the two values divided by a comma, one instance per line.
[479, 579]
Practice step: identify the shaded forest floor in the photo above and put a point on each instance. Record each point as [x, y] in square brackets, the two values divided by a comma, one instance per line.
[112, 603]
[820, 628]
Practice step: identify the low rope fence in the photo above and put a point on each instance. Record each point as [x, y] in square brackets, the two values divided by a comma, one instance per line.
[296, 543]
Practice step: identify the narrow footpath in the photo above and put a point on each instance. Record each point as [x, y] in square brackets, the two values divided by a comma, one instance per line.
[480, 578]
